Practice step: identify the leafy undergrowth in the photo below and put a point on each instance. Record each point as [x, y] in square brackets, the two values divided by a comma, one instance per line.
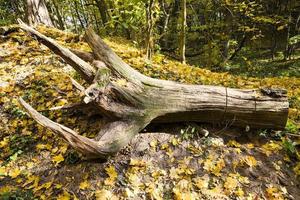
[178, 161]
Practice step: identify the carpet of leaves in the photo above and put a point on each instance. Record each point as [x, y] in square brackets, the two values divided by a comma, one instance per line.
[173, 161]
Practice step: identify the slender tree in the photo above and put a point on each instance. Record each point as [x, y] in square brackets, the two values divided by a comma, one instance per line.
[150, 22]
[58, 15]
[102, 7]
[183, 31]
[78, 14]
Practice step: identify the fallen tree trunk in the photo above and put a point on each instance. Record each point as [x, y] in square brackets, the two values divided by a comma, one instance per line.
[131, 100]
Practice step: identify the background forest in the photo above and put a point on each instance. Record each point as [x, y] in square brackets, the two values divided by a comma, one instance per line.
[249, 37]
[247, 51]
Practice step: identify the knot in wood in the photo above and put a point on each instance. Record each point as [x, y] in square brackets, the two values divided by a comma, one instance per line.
[277, 92]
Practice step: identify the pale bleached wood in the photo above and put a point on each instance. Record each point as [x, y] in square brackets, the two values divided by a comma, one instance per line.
[131, 100]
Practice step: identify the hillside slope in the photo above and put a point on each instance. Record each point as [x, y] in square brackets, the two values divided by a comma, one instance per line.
[177, 161]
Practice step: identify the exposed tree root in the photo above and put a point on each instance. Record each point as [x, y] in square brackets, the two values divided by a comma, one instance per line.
[109, 141]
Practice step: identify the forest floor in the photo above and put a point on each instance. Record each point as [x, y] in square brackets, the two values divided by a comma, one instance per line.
[170, 161]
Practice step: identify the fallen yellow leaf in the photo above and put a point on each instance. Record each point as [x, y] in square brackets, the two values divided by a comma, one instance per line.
[153, 143]
[155, 192]
[64, 196]
[32, 179]
[44, 146]
[138, 163]
[14, 173]
[3, 171]
[201, 182]
[271, 148]
[239, 192]
[4, 142]
[250, 160]
[233, 143]
[84, 185]
[58, 159]
[230, 184]
[112, 175]
[105, 195]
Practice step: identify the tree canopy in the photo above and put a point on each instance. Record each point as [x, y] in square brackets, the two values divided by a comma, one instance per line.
[216, 30]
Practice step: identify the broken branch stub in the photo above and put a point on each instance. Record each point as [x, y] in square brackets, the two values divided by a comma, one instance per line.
[131, 100]
[111, 139]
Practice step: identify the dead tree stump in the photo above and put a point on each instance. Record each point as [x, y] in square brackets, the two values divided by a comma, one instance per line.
[131, 100]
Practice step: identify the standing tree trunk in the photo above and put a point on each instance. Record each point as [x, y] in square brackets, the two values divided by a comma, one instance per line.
[288, 47]
[78, 15]
[83, 9]
[102, 7]
[183, 31]
[96, 23]
[131, 100]
[38, 13]
[150, 22]
[74, 22]
[239, 48]
[163, 21]
[18, 7]
[58, 15]
[274, 43]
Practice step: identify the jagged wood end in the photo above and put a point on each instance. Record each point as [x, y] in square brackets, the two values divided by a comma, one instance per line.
[109, 141]
[86, 146]
[104, 53]
[82, 67]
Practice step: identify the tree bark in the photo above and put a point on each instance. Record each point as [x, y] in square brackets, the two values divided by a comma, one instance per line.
[287, 52]
[83, 9]
[58, 15]
[38, 13]
[78, 15]
[183, 31]
[149, 39]
[239, 48]
[102, 7]
[131, 100]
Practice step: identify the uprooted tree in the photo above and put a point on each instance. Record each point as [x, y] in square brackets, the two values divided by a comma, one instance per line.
[131, 100]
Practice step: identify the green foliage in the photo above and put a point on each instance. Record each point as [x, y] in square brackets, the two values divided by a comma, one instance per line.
[263, 133]
[72, 157]
[128, 18]
[212, 54]
[290, 147]
[189, 132]
[17, 195]
[5, 18]
[294, 102]
[17, 112]
[19, 144]
[294, 40]
[291, 127]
